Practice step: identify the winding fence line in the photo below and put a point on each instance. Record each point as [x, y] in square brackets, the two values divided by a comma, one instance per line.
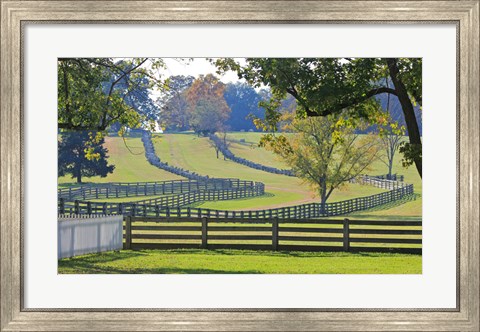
[155, 160]
[178, 209]
[229, 155]
[128, 189]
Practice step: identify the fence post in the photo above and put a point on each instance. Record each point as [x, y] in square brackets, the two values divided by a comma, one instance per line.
[77, 207]
[61, 203]
[204, 233]
[275, 234]
[128, 233]
[346, 234]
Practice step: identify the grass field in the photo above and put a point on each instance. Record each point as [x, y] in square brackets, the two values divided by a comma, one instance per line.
[130, 165]
[240, 261]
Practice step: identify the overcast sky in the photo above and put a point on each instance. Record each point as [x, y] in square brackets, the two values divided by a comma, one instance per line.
[195, 67]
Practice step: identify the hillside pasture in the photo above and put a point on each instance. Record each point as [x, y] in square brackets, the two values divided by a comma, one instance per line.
[130, 164]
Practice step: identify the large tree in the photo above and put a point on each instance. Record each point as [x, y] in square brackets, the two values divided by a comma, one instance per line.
[73, 148]
[324, 152]
[94, 93]
[244, 101]
[323, 86]
[175, 115]
[207, 107]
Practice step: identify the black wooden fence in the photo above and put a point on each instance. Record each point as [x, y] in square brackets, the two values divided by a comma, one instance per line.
[304, 211]
[273, 234]
[119, 189]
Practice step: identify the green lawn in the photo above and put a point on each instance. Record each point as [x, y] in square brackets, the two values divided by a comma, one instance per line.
[240, 261]
[130, 165]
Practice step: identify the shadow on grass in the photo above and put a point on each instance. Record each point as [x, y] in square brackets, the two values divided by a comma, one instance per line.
[199, 203]
[82, 267]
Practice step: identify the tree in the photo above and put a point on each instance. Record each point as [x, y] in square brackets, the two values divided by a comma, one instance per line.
[94, 93]
[174, 114]
[208, 116]
[72, 150]
[244, 101]
[391, 136]
[207, 107]
[325, 153]
[323, 86]
[391, 142]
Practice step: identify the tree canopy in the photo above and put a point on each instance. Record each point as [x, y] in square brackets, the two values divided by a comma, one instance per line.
[174, 105]
[72, 150]
[207, 106]
[324, 152]
[94, 93]
[324, 86]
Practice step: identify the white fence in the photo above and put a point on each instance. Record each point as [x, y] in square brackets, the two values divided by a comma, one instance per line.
[84, 234]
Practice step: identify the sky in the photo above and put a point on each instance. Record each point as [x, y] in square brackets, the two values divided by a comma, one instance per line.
[195, 67]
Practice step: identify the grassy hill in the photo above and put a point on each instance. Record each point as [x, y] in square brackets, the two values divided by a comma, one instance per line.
[130, 164]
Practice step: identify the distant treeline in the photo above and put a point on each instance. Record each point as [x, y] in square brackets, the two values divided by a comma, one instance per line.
[207, 105]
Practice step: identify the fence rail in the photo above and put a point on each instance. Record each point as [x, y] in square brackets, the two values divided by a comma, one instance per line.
[304, 211]
[273, 234]
[111, 190]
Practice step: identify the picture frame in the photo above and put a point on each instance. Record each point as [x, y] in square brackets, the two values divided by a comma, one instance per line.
[16, 14]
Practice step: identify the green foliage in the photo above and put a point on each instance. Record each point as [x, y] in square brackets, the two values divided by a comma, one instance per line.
[410, 153]
[323, 86]
[208, 110]
[81, 154]
[324, 152]
[175, 114]
[92, 92]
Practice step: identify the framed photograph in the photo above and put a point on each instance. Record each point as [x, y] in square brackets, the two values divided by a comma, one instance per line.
[240, 165]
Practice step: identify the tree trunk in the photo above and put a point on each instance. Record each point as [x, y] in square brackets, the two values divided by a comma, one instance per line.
[390, 165]
[323, 197]
[408, 111]
[79, 177]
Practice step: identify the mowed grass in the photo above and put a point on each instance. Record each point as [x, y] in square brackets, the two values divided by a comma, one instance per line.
[130, 165]
[193, 261]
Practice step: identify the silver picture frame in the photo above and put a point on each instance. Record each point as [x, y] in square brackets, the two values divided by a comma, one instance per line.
[15, 15]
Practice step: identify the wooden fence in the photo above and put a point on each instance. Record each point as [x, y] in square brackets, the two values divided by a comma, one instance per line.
[119, 189]
[304, 211]
[273, 234]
